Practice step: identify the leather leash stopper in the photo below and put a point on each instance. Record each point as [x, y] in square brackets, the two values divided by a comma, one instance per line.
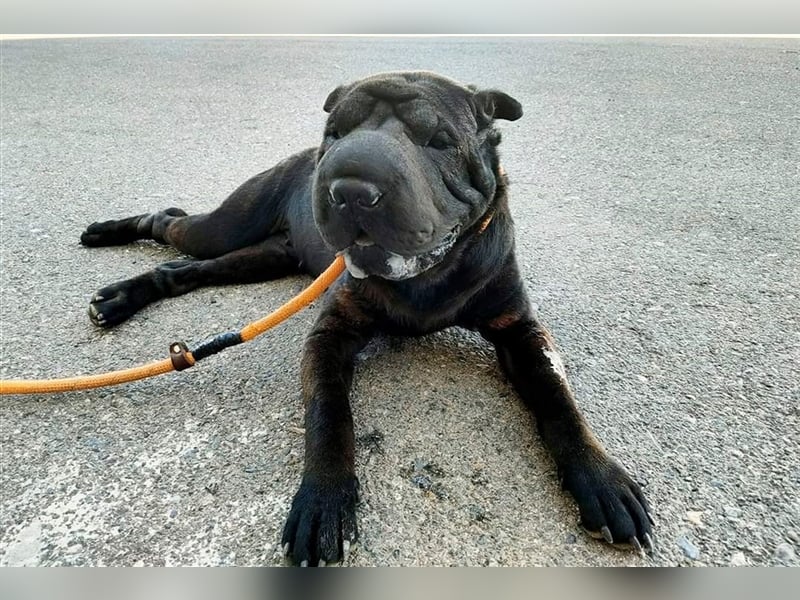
[180, 356]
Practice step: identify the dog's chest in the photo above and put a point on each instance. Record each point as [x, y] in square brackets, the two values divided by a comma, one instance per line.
[412, 311]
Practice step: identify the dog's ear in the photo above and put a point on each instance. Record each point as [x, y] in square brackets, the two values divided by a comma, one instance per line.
[333, 98]
[494, 104]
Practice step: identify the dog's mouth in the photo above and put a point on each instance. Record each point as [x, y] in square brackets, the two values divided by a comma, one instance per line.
[365, 258]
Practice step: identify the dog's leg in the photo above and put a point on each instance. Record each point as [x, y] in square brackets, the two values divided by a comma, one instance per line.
[271, 259]
[253, 212]
[150, 226]
[207, 235]
[611, 504]
[322, 521]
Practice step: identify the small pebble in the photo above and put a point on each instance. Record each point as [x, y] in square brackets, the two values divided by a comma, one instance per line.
[571, 538]
[477, 513]
[738, 560]
[695, 517]
[732, 512]
[785, 553]
[689, 549]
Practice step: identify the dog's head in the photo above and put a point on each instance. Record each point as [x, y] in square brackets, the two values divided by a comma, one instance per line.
[407, 164]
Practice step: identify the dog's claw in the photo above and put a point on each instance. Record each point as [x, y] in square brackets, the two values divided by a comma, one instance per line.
[321, 563]
[648, 543]
[304, 563]
[637, 546]
[651, 519]
[95, 315]
[606, 533]
[345, 550]
[286, 549]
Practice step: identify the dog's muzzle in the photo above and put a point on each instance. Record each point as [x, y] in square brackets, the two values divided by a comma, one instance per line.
[365, 259]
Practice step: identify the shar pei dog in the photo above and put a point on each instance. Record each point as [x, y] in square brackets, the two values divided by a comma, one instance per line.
[408, 187]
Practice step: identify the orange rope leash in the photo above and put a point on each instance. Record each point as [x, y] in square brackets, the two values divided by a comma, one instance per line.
[180, 357]
[86, 382]
[296, 304]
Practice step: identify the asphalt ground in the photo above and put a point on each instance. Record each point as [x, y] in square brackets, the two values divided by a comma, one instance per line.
[655, 186]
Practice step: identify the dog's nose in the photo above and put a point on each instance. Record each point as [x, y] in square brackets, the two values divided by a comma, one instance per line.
[354, 192]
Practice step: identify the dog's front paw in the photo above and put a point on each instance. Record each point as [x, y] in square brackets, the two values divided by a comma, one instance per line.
[117, 302]
[611, 504]
[322, 522]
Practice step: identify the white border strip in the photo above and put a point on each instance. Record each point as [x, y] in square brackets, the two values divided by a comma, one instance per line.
[35, 36]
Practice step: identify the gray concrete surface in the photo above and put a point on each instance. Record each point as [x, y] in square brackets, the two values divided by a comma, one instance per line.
[655, 185]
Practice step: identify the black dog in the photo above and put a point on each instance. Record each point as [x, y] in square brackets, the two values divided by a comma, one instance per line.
[407, 186]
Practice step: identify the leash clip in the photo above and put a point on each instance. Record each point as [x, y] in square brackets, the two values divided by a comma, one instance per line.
[180, 356]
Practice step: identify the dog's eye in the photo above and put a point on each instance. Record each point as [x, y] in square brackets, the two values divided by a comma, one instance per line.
[332, 132]
[441, 140]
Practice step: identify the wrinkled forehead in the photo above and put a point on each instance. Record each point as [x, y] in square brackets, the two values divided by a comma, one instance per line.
[422, 104]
